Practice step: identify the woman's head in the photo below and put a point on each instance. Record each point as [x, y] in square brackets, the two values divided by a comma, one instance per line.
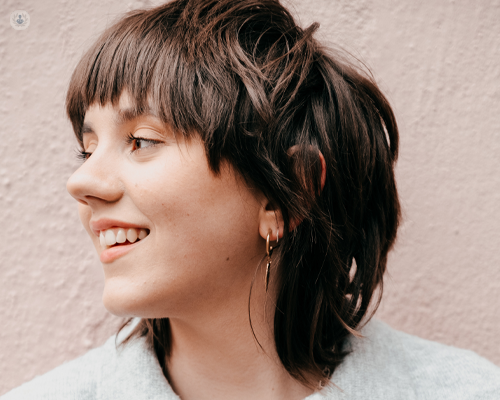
[253, 104]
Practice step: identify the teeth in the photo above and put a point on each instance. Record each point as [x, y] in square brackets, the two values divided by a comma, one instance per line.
[102, 239]
[120, 236]
[110, 237]
[132, 235]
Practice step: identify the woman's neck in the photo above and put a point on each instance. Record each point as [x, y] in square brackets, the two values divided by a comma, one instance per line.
[216, 356]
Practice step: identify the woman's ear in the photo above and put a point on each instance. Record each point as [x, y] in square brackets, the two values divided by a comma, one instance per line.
[294, 149]
[294, 222]
[271, 218]
[271, 221]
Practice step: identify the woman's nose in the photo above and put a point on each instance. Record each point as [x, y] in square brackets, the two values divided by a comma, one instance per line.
[96, 181]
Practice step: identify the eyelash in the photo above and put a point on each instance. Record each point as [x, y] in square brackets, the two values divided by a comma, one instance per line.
[83, 155]
[131, 138]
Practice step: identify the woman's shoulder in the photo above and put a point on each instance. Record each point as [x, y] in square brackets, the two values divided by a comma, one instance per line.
[76, 378]
[383, 364]
[389, 364]
[107, 372]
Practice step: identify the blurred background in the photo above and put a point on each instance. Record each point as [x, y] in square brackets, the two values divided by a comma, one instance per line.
[437, 62]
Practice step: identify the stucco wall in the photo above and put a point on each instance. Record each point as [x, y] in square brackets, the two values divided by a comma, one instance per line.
[438, 63]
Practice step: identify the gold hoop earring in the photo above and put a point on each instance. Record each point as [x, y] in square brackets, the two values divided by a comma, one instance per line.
[269, 253]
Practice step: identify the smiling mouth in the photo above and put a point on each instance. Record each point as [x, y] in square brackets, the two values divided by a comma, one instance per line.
[119, 236]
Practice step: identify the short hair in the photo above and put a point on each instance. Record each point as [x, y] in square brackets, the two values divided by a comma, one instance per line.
[252, 84]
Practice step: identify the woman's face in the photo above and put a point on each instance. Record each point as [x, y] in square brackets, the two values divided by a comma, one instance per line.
[202, 245]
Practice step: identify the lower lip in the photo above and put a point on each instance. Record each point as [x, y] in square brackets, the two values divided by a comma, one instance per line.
[109, 255]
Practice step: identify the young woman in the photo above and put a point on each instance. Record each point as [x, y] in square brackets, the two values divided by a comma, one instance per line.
[238, 184]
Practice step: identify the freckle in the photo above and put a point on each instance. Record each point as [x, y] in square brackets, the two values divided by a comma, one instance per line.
[227, 259]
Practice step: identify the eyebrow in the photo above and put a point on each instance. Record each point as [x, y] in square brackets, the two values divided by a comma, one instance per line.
[128, 114]
[124, 115]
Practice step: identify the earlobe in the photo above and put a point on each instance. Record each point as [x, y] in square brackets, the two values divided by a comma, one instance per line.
[271, 221]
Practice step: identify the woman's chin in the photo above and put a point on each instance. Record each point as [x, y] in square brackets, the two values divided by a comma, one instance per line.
[125, 300]
[120, 302]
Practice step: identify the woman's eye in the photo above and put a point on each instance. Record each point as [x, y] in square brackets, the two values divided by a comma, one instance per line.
[84, 151]
[82, 155]
[141, 143]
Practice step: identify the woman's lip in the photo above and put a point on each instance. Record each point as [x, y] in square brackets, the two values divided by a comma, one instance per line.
[111, 254]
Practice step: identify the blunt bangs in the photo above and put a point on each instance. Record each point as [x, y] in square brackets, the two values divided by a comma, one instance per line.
[125, 57]
[143, 54]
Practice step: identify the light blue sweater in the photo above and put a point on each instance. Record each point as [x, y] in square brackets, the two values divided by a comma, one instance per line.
[384, 365]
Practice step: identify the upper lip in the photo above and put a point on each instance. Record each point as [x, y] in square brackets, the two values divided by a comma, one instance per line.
[106, 223]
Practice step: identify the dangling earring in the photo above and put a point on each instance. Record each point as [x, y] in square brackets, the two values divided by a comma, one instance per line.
[269, 253]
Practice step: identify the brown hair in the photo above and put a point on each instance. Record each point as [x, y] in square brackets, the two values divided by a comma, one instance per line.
[252, 84]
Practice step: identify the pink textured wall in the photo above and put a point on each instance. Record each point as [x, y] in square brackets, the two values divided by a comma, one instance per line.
[438, 62]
